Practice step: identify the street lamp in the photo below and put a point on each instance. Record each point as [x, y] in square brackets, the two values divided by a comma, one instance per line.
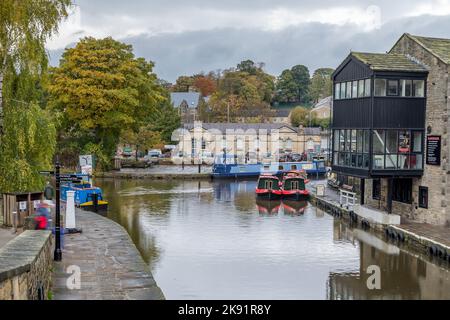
[58, 253]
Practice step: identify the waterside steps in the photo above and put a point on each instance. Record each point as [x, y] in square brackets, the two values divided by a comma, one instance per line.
[428, 239]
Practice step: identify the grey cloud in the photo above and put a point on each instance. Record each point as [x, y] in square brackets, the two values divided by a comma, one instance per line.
[313, 44]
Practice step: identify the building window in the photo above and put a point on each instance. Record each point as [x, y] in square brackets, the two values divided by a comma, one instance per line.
[392, 88]
[360, 88]
[419, 88]
[406, 88]
[367, 87]
[355, 89]
[342, 95]
[376, 189]
[402, 190]
[348, 93]
[337, 91]
[423, 197]
[350, 148]
[380, 87]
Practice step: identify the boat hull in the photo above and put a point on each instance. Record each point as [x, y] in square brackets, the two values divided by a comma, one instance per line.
[298, 196]
[268, 195]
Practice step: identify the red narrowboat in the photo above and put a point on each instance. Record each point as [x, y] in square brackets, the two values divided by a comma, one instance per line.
[269, 187]
[294, 186]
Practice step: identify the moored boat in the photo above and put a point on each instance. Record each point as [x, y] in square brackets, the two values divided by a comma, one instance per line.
[294, 186]
[87, 196]
[269, 187]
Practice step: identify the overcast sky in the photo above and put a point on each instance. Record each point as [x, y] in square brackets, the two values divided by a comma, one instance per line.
[187, 37]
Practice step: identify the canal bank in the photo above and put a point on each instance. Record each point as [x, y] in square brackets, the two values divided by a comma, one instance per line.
[111, 267]
[427, 239]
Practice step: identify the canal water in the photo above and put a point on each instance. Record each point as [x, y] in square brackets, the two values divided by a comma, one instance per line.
[214, 240]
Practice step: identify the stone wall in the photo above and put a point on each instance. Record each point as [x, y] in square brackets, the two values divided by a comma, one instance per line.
[436, 178]
[25, 266]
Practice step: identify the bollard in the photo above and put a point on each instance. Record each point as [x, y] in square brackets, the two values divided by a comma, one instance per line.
[70, 214]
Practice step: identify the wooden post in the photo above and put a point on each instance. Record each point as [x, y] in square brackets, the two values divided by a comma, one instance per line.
[389, 196]
[362, 186]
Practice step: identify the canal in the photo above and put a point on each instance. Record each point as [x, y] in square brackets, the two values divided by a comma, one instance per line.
[214, 240]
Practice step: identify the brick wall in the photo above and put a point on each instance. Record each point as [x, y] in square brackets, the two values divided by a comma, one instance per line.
[25, 266]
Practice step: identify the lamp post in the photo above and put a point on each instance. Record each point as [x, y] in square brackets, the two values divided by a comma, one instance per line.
[58, 253]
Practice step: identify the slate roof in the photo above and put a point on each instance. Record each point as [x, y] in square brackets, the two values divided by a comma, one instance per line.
[244, 126]
[282, 113]
[388, 62]
[438, 46]
[324, 102]
[313, 131]
[191, 98]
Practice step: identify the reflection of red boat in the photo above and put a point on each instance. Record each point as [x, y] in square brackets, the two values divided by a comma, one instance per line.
[267, 207]
[269, 187]
[294, 185]
[294, 208]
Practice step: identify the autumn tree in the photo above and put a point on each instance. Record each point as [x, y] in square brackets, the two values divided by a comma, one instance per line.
[100, 90]
[321, 84]
[205, 85]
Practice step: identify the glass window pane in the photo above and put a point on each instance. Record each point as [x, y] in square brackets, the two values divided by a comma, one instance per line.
[417, 141]
[403, 161]
[342, 159]
[404, 142]
[337, 91]
[416, 161]
[360, 161]
[347, 159]
[366, 161]
[391, 161]
[348, 139]
[380, 87]
[367, 88]
[335, 158]
[336, 140]
[359, 140]
[342, 95]
[378, 161]
[354, 160]
[366, 141]
[353, 141]
[419, 88]
[406, 88]
[342, 140]
[355, 89]
[391, 141]
[361, 88]
[392, 87]
[378, 141]
[348, 94]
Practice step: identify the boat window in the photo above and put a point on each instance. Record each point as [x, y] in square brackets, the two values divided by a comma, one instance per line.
[280, 168]
[294, 167]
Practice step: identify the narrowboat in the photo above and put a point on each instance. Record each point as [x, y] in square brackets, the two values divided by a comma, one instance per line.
[87, 197]
[269, 187]
[227, 167]
[294, 186]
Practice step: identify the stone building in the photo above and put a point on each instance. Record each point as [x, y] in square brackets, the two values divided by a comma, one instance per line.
[322, 110]
[187, 104]
[259, 139]
[391, 122]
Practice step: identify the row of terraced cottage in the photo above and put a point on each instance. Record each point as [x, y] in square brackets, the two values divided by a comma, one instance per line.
[391, 127]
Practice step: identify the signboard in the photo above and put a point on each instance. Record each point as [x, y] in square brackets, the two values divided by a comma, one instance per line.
[86, 164]
[36, 204]
[434, 150]
[23, 206]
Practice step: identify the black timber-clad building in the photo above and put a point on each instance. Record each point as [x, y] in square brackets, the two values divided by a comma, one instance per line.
[379, 119]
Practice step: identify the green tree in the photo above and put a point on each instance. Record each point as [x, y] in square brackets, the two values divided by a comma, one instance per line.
[101, 89]
[184, 84]
[24, 27]
[28, 134]
[286, 87]
[321, 84]
[28, 146]
[302, 116]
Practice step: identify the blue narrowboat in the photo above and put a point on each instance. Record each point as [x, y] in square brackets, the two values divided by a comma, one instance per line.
[225, 167]
[87, 196]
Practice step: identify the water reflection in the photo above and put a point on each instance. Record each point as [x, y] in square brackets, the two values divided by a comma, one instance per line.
[214, 240]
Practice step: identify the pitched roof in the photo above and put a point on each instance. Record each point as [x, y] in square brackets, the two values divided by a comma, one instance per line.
[282, 113]
[242, 126]
[388, 62]
[325, 102]
[191, 98]
[438, 46]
